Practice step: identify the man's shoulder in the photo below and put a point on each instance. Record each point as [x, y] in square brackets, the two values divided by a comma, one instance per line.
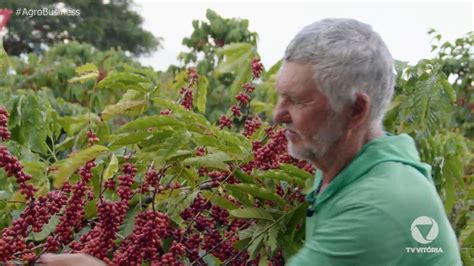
[393, 181]
[393, 188]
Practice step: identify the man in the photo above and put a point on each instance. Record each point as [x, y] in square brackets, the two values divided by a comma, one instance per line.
[374, 202]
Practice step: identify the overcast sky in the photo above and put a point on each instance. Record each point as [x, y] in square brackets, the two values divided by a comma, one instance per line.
[402, 25]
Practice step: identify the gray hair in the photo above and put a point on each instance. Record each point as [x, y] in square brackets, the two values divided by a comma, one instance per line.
[347, 56]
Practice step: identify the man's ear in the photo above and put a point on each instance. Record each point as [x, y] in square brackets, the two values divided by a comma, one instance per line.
[360, 109]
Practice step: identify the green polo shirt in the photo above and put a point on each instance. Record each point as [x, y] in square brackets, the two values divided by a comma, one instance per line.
[381, 209]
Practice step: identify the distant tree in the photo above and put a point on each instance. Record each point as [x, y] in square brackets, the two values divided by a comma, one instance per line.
[211, 35]
[104, 24]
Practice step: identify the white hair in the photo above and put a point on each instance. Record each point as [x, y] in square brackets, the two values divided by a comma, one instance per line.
[347, 56]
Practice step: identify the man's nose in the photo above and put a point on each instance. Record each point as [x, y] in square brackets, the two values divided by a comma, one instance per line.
[281, 115]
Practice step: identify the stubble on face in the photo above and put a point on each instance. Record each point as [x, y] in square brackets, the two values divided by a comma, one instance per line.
[313, 148]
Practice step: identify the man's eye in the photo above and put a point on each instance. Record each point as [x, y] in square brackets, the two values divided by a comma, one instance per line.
[297, 102]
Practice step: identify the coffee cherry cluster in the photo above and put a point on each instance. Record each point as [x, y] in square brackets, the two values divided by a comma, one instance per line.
[13, 237]
[110, 184]
[145, 242]
[216, 177]
[177, 250]
[270, 155]
[187, 92]
[4, 132]
[35, 215]
[48, 205]
[100, 240]
[13, 167]
[165, 112]
[251, 125]
[10, 163]
[186, 98]
[126, 180]
[200, 151]
[73, 216]
[248, 87]
[193, 76]
[235, 110]
[92, 138]
[225, 121]
[243, 98]
[212, 231]
[257, 67]
[152, 179]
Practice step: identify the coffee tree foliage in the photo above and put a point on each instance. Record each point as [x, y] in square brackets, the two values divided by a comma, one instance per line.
[115, 145]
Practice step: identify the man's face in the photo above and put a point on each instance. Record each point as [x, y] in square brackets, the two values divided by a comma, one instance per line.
[312, 128]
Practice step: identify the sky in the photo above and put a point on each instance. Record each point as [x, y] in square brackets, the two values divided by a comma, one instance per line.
[402, 25]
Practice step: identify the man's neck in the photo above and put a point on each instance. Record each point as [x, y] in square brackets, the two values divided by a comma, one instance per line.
[341, 154]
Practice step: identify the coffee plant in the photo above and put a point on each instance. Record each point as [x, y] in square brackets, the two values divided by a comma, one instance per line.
[128, 167]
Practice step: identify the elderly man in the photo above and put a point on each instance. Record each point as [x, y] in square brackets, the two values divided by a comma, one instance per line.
[374, 202]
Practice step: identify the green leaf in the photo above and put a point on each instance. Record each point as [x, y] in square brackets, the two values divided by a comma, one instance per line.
[298, 217]
[449, 89]
[175, 205]
[111, 168]
[127, 227]
[220, 201]
[467, 258]
[128, 138]
[271, 241]
[87, 68]
[90, 209]
[234, 49]
[237, 60]
[156, 122]
[74, 124]
[121, 80]
[86, 72]
[251, 213]
[214, 160]
[242, 197]
[234, 144]
[130, 108]
[258, 192]
[243, 75]
[194, 121]
[66, 167]
[201, 97]
[47, 229]
[296, 171]
[263, 261]
[39, 179]
[281, 175]
[273, 70]
[466, 237]
[258, 106]
[254, 248]
[172, 145]
[242, 243]
[210, 260]
[83, 78]
[243, 177]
